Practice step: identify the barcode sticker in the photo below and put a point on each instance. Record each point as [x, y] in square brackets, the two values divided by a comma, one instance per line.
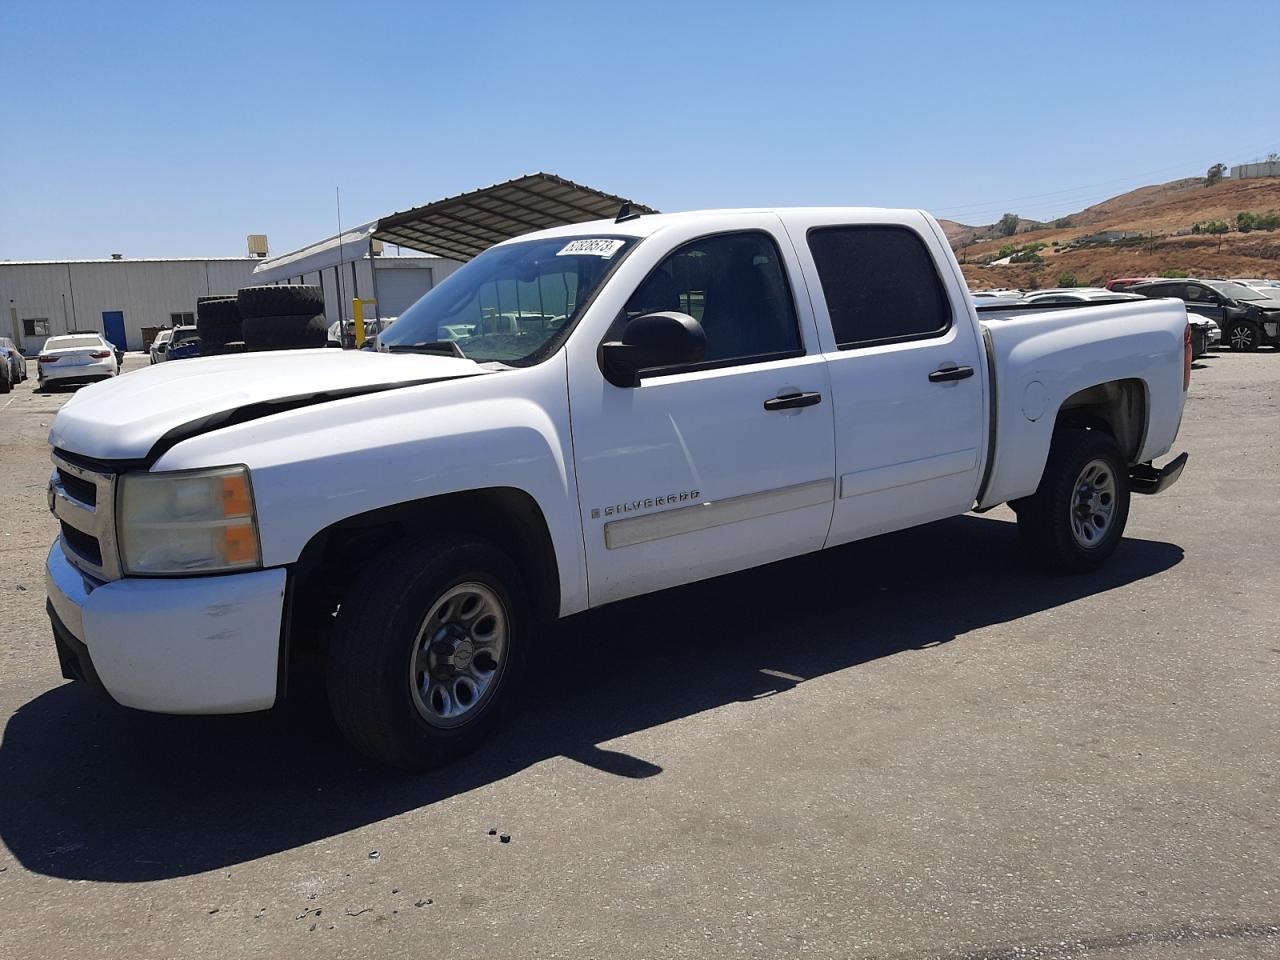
[591, 248]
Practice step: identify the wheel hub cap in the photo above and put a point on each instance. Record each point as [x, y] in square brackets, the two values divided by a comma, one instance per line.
[458, 655]
[1094, 504]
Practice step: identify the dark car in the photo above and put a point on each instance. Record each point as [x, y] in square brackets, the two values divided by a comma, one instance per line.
[184, 345]
[1248, 317]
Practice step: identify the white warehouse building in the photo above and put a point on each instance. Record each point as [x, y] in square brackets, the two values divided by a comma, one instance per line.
[122, 298]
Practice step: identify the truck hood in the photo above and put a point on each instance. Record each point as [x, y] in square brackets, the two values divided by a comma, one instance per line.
[138, 416]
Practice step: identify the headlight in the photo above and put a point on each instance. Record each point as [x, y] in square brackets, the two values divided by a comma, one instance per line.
[188, 521]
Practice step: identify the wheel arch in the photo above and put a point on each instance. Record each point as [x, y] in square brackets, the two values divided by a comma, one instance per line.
[1120, 408]
[508, 516]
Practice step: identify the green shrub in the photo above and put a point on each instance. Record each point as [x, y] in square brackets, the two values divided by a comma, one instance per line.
[1173, 274]
[1067, 279]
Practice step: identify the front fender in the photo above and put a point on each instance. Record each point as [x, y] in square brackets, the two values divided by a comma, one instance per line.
[316, 466]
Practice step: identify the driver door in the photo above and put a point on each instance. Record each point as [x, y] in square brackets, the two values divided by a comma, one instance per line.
[701, 470]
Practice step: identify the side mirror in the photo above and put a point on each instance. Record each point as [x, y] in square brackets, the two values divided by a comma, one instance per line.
[651, 341]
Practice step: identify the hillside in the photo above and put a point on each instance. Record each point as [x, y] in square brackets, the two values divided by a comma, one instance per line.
[1162, 213]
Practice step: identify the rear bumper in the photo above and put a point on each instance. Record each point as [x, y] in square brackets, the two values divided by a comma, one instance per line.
[79, 373]
[182, 645]
[1145, 478]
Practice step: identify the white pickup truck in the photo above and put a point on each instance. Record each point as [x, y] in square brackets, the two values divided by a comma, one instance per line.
[577, 416]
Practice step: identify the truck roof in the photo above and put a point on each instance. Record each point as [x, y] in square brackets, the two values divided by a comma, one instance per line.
[649, 223]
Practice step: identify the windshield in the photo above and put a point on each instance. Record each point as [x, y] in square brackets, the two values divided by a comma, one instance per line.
[1238, 291]
[183, 334]
[510, 304]
[67, 343]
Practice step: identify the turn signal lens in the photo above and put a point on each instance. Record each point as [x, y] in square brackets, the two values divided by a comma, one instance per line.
[100, 354]
[236, 500]
[46, 358]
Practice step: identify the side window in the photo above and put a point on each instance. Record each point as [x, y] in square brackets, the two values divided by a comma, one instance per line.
[735, 286]
[1194, 293]
[880, 283]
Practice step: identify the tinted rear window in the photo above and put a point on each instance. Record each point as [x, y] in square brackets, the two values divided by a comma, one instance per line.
[67, 343]
[880, 284]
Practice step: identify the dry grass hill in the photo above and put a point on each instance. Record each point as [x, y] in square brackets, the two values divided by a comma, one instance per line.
[1163, 214]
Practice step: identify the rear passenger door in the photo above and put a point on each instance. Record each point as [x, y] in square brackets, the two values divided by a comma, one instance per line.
[906, 368]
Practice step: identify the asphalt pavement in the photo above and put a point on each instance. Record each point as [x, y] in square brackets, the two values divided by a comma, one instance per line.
[910, 747]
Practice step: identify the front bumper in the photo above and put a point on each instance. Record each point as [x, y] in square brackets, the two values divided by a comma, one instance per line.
[181, 645]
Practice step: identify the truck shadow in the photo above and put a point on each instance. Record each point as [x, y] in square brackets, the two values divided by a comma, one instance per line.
[92, 791]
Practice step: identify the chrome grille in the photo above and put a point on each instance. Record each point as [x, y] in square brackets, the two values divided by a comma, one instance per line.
[82, 500]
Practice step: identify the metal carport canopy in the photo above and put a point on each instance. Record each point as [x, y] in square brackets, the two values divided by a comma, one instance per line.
[458, 227]
[461, 227]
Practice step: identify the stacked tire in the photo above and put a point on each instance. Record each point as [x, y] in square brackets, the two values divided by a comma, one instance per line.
[218, 323]
[285, 317]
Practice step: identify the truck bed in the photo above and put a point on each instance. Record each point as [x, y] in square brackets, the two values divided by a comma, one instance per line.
[1040, 357]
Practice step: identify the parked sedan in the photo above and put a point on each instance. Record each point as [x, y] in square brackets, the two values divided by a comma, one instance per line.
[75, 359]
[160, 346]
[16, 362]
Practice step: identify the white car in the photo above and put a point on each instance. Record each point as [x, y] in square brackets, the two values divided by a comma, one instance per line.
[75, 358]
[707, 392]
[160, 345]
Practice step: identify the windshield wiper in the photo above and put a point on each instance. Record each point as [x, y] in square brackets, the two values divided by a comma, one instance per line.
[444, 348]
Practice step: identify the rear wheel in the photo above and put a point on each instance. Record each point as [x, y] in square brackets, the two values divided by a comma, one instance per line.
[1244, 336]
[427, 651]
[1076, 518]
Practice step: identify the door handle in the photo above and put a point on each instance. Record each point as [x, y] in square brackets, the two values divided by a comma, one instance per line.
[792, 401]
[948, 374]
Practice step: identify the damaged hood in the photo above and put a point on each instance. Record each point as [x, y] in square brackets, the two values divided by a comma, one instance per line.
[134, 416]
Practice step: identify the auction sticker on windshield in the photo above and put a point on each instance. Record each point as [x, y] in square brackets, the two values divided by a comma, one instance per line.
[592, 248]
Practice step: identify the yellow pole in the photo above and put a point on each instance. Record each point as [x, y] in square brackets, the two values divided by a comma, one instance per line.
[357, 306]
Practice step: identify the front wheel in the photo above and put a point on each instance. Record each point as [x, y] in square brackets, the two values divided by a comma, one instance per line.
[427, 651]
[1244, 336]
[1076, 518]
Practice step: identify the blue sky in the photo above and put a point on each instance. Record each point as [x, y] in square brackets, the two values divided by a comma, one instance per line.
[177, 129]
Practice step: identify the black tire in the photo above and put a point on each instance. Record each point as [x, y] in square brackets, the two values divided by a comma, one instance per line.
[1243, 335]
[1045, 519]
[285, 333]
[5, 385]
[286, 300]
[374, 640]
[218, 321]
